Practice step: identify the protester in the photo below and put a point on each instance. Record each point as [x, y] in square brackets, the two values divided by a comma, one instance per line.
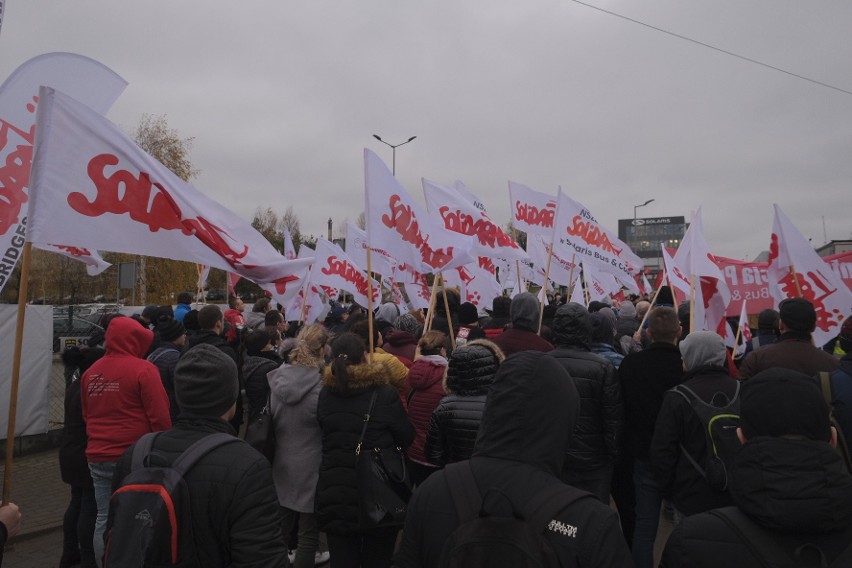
[234, 510]
[259, 360]
[298, 439]
[841, 382]
[402, 339]
[469, 328]
[498, 317]
[122, 399]
[792, 493]
[795, 348]
[454, 424]
[165, 357]
[526, 429]
[425, 391]
[335, 320]
[386, 315]
[397, 366]
[348, 385]
[768, 329]
[442, 320]
[523, 335]
[603, 338]
[596, 441]
[680, 435]
[645, 377]
[183, 307]
[256, 318]
[78, 523]
[235, 320]
[212, 323]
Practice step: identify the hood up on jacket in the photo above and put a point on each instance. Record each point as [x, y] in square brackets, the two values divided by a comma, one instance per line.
[292, 383]
[572, 326]
[125, 336]
[524, 312]
[530, 412]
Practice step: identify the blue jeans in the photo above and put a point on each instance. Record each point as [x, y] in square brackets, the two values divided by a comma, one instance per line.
[102, 478]
[648, 503]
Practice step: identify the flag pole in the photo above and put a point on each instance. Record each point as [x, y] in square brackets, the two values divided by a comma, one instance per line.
[796, 280]
[691, 302]
[432, 297]
[370, 303]
[663, 281]
[16, 370]
[447, 308]
[544, 286]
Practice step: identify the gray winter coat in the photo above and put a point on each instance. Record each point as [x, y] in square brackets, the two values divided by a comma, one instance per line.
[298, 449]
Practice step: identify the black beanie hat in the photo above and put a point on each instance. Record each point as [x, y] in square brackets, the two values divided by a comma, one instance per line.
[798, 314]
[206, 381]
[190, 320]
[468, 313]
[778, 402]
[170, 329]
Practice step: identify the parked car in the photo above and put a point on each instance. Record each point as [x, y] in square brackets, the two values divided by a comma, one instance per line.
[75, 327]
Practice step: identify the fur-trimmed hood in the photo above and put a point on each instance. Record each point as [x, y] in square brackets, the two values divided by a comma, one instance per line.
[361, 377]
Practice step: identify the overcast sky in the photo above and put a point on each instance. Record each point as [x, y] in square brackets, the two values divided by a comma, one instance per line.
[282, 96]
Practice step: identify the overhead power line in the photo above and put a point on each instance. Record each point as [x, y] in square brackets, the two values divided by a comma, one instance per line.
[714, 48]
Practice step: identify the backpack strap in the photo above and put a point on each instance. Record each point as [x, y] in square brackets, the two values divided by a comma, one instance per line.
[548, 502]
[366, 421]
[464, 490]
[760, 542]
[199, 449]
[410, 396]
[141, 450]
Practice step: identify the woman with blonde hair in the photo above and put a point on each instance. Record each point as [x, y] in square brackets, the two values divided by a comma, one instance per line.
[295, 388]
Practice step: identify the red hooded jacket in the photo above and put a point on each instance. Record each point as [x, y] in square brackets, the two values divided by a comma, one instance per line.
[122, 395]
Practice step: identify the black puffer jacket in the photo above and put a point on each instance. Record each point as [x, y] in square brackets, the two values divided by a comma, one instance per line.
[455, 423]
[796, 488]
[340, 412]
[255, 370]
[235, 513]
[597, 433]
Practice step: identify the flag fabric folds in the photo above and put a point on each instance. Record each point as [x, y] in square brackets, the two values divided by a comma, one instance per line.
[89, 179]
[795, 270]
[86, 80]
[398, 227]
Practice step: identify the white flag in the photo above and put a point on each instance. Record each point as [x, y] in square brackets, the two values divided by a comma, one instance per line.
[795, 270]
[289, 248]
[532, 211]
[711, 291]
[577, 230]
[461, 214]
[561, 268]
[92, 181]
[334, 268]
[577, 296]
[82, 78]
[356, 248]
[398, 227]
[92, 259]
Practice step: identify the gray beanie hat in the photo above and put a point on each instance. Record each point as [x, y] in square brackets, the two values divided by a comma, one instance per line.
[206, 381]
[702, 348]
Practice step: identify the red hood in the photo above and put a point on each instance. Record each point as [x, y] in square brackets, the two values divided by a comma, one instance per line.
[126, 336]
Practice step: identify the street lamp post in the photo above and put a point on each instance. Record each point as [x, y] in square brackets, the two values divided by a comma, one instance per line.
[635, 207]
[393, 147]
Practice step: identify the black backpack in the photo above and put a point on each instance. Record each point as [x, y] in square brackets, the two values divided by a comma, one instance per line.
[150, 519]
[496, 541]
[771, 548]
[720, 428]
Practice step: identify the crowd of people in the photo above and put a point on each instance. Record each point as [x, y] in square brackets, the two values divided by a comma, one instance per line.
[583, 424]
